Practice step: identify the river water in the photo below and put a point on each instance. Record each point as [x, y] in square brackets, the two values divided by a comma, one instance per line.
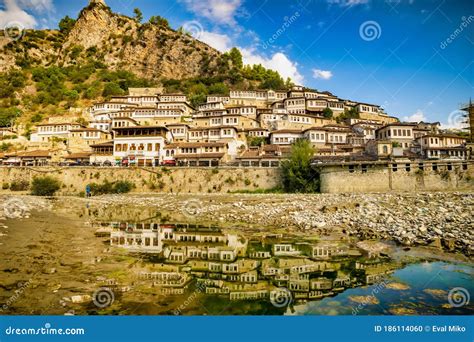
[78, 258]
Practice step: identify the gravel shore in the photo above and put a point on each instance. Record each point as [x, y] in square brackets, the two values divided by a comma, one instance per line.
[439, 219]
[442, 219]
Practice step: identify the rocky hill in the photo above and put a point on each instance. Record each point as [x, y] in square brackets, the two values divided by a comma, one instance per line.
[59, 74]
[150, 50]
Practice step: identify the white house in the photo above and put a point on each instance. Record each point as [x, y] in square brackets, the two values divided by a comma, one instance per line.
[140, 145]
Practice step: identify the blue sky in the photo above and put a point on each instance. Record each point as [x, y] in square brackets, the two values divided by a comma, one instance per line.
[395, 53]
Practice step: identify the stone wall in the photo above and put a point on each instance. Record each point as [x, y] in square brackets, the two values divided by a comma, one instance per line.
[384, 177]
[362, 178]
[169, 180]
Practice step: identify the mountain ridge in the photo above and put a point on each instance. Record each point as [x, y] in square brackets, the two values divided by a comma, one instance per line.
[149, 50]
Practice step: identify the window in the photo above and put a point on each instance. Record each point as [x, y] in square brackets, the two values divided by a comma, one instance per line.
[394, 167]
[364, 168]
[407, 167]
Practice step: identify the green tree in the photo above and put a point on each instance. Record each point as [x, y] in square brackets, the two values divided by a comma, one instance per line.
[236, 58]
[8, 116]
[256, 141]
[159, 21]
[297, 173]
[112, 89]
[327, 113]
[66, 24]
[218, 88]
[138, 15]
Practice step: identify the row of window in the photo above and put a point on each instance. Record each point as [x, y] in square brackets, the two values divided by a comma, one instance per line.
[133, 147]
[302, 119]
[395, 133]
[243, 110]
[62, 128]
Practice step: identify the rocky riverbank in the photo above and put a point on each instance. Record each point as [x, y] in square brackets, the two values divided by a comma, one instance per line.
[439, 219]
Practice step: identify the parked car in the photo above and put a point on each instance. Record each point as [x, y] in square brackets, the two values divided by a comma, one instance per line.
[168, 163]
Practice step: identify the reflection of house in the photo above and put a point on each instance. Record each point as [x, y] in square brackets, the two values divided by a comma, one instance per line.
[320, 283]
[285, 249]
[229, 265]
[144, 241]
[326, 250]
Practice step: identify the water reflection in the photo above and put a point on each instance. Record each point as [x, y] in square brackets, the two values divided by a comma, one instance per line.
[238, 267]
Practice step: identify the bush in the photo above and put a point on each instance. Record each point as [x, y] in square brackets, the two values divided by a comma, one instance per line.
[122, 187]
[44, 186]
[107, 187]
[19, 185]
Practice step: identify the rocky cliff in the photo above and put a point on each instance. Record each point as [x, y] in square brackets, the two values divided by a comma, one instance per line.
[149, 50]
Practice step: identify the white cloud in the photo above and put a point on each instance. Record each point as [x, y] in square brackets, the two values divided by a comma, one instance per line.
[36, 5]
[457, 119]
[218, 41]
[219, 11]
[323, 74]
[14, 15]
[416, 117]
[278, 62]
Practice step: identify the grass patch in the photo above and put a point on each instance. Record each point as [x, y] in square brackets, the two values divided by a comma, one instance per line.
[276, 190]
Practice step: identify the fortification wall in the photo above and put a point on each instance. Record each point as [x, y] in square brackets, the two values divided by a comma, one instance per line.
[169, 180]
[428, 176]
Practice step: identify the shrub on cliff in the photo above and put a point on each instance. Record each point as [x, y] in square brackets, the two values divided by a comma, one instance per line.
[297, 173]
[119, 187]
[122, 187]
[44, 186]
[19, 185]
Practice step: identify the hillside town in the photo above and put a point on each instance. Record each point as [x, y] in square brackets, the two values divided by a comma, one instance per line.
[247, 128]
